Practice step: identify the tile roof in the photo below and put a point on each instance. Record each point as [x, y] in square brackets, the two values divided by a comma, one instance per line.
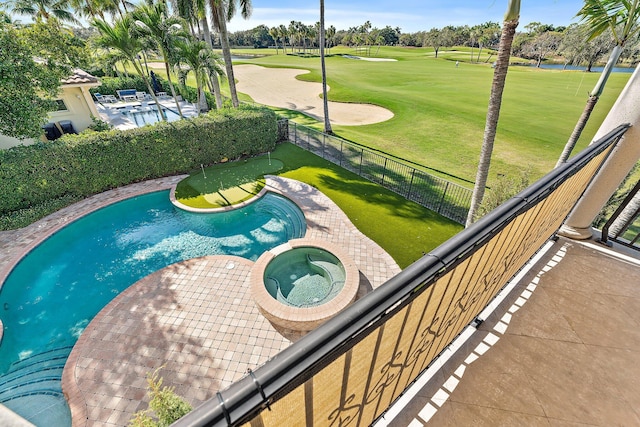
[80, 76]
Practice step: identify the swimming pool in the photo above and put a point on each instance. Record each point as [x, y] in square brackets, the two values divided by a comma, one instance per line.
[55, 291]
[149, 115]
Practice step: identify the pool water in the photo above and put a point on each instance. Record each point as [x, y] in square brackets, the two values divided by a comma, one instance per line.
[304, 277]
[149, 115]
[55, 291]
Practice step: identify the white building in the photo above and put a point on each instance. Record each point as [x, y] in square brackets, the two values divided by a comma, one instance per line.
[75, 105]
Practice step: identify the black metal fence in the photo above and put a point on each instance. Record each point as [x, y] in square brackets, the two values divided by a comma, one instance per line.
[624, 225]
[444, 197]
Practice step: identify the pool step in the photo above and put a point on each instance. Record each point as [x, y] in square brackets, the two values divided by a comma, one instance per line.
[17, 378]
[47, 408]
[49, 355]
[49, 386]
[290, 216]
[335, 272]
[38, 374]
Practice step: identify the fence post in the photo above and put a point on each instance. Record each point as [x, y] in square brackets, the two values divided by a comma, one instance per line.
[341, 153]
[361, 155]
[444, 194]
[413, 172]
[295, 133]
[309, 139]
[384, 171]
[324, 141]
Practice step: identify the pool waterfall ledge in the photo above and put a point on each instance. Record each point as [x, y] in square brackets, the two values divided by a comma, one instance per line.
[291, 321]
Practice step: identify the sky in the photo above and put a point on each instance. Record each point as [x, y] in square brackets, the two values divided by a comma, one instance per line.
[410, 15]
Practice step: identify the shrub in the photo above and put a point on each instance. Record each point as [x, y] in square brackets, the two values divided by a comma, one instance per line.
[165, 404]
[81, 165]
[110, 85]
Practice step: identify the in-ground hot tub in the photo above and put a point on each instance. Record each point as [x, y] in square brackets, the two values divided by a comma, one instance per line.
[301, 284]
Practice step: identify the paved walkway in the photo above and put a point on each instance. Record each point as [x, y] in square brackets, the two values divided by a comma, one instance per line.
[194, 319]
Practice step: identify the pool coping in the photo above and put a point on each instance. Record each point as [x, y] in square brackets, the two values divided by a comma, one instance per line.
[299, 321]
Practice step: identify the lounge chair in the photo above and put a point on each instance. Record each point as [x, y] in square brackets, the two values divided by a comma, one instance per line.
[127, 94]
[105, 98]
[142, 96]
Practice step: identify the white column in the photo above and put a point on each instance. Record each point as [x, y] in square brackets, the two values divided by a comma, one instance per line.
[90, 104]
[618, 165]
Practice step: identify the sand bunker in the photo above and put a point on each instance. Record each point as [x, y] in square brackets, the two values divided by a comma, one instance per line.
[278, 87]
[368, 58]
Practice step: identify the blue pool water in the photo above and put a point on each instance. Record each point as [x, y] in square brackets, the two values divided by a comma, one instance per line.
[55, 291]
[149, 115]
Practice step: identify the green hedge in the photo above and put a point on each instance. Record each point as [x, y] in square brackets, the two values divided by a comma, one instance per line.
[80, 165]
[110, 85]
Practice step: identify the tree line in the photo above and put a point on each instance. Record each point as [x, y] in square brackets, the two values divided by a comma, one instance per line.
[537, 42]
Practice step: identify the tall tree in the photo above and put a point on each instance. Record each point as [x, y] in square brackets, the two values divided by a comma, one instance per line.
[195, 12]
[28, 95]
[153, 22]
[273, 32]
[495, 102]
[283, 33]
[325, 100]
[198, 57]
[43, 9]
[119, 38]
[620, 17]
[222, 11]
[576, 52]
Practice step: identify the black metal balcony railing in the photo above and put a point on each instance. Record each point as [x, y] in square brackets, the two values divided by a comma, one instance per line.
[352, 368]
[627, 232]
[438, 194]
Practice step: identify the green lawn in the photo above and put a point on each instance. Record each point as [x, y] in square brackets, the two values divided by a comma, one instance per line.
[440, 109]
[226, 184]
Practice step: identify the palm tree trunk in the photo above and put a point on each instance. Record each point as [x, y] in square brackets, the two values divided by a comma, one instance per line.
[577, 130]
[173, 91]
[213, 78]
[325, 100]
[493, 113]
[226, 53]
[142, 74]
[591, 103]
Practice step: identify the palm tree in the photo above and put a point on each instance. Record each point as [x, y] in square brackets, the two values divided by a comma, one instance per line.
[197, 56]
[495, 101]
[222, 11]
[152, 22]
[325, 100]
[87, 8]
[120, 39]
[273, 32]
[195, 13]
[331, 32]
[43, 9]
[283, 33]
[621, 18]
